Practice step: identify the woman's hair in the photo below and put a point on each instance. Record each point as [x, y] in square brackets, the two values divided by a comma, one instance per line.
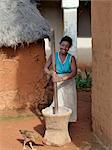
[68, 39]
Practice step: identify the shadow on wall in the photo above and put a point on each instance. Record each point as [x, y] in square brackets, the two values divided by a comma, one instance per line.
[30, 75]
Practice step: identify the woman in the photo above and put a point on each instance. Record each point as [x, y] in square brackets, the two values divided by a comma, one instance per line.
[64, 74]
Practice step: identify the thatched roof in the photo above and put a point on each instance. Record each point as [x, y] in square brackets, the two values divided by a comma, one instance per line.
[21, 22]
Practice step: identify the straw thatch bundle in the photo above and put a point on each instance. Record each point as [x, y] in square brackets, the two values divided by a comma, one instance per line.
[21, 22]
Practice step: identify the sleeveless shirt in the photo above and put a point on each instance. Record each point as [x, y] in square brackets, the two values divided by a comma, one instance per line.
[65, 67]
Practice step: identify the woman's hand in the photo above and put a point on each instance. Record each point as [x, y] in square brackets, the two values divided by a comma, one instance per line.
[56, 78]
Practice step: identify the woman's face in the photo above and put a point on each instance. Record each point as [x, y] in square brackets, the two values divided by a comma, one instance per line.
[64, 47]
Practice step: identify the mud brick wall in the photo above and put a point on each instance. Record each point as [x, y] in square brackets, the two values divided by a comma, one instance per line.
[102, 70]
[22, 78]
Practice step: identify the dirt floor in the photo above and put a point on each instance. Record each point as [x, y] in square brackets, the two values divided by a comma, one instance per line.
[80, 132]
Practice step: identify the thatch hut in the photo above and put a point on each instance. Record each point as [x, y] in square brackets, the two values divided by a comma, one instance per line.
[22, 55]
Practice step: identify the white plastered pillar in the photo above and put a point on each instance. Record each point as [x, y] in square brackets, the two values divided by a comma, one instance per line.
[70, 22]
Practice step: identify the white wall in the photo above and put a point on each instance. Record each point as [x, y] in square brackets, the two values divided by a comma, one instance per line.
[84, 53]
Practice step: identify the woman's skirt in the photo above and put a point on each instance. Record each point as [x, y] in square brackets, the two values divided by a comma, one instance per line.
[67, 96]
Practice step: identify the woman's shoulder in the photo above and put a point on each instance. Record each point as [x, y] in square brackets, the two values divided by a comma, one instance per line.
[56, 53]
[73, 59]
[71, 55]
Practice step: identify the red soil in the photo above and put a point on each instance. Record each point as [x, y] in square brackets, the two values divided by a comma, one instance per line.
[80, 132]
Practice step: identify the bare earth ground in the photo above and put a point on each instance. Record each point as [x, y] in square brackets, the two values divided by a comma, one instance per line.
[80, 132]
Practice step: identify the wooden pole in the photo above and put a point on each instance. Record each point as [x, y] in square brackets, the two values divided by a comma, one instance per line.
[55, 97]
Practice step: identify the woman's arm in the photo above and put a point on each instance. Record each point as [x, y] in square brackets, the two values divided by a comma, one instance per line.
[73, 70]
[47, 65]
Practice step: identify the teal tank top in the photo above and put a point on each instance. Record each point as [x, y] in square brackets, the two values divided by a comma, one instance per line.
[65, 67]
